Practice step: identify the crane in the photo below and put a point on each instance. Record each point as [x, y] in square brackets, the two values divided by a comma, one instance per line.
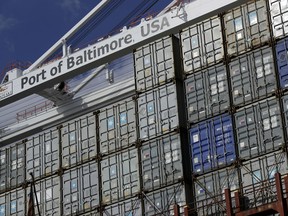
[36, 77]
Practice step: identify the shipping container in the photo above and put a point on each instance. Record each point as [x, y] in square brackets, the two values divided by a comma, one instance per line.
[92, 213]
[259, 128]
[42, 153]
[157, 111]
[252, 76]
[161, 160]
[210, 189]
[206, 93]
[80, 188]
[212, 144]
[202, 44]
[78, 140]
[3, 170]
[282, 61]
[130, 207]
[12, 165]
[258, 178]
[154, 64]
[48, 196]
[285, 111]
[120, 176]
[12, 203]
[117, 126]
[279, 17]
[246, 27]
[161, 202]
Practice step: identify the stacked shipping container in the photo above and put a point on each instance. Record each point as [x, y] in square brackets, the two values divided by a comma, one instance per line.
[210, 112]
[236, 122]
[161, 139]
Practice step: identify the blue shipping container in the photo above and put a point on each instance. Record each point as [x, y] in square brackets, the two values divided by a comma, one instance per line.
[282, 62]
[212, 144]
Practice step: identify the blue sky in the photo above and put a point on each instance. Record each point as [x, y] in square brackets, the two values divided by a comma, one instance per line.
[29, 28]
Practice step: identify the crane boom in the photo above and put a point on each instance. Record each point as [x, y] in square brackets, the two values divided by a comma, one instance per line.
[112, 47]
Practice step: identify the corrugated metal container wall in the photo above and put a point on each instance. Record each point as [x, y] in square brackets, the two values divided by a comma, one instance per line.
[13, 203]
[202, 45]
[130, 207]
[12, 165]
[3, 170]
[260, 169]
[120, 176]
[212, 144]
[42, 153]
[252, 76]
[80, 188]
[285, 111]
[206, 93]
[161, 162]
[157, 111]
[282, 61]
[160, 202]
[279, 17]
[78, 140]
[93, 213]
[246, 27]
[154, 64]
[117, 126]
[259, 128]
[48, 196]
[209, 190]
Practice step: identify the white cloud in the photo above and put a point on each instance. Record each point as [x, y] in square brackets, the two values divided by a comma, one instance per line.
[9, 45]
[71, 5]
[6, 22]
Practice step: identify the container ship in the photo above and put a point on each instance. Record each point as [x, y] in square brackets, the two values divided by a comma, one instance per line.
[183, 112]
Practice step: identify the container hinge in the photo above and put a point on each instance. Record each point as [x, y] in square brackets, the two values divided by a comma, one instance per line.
[98, 157]
[60, 171]
[138, 143]
[278, 93]
[232, 109]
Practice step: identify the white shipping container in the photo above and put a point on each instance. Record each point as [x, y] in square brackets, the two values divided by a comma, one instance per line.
[130, 207]
[206, 93]
[12, 165]
[259, 128]
[154, 64]
[246, 27]
[78, 140]
[120, 176]
[117, 126]
[252, 76]
[48, 196]
[279, 17]
[202, 45]
[161, 162]
[12, 203]
[258, 178]
[210, 189]
[42, 153]
[161, 202]
[80, 188]
[157, 111]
